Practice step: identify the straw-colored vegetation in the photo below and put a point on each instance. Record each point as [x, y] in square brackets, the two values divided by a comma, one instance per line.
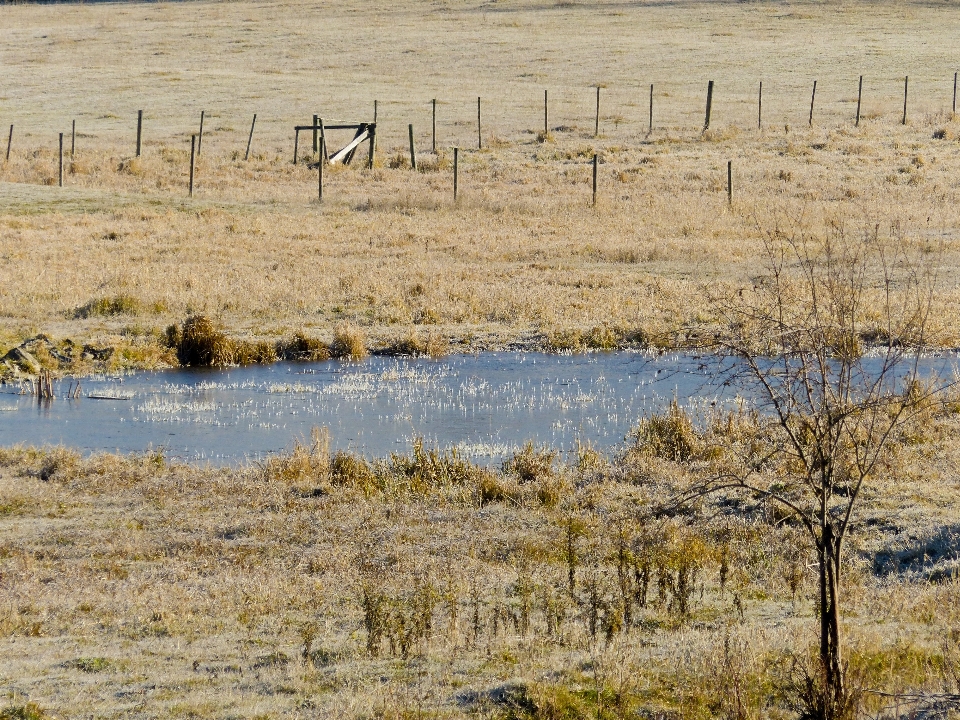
[121, 253]
[420, 585]
[319, 584]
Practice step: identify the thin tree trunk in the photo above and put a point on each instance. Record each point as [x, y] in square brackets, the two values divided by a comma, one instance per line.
[830, 659]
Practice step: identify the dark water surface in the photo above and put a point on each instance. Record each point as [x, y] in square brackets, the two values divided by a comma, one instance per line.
[485, 405]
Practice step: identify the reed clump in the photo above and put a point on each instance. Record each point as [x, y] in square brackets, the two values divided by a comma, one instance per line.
[348, 342]
[302, 348]
[122, 304]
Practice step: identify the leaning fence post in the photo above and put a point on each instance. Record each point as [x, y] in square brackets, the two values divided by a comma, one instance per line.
[193, 158]
[246, 155]
[200, 136]
[906, 81]
[479, 135]
[456, 171]
[859, 98]
[413, 152]
[706, 122]
[60, 172]
[813, 97]
[316, 136]
[9, 142]
[139, 129]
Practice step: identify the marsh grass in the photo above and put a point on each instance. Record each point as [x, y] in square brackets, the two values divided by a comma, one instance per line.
[592, 604]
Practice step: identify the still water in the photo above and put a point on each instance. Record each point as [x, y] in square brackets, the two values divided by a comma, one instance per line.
[483, 405]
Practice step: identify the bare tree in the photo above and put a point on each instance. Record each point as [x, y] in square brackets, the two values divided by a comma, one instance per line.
[828, 342]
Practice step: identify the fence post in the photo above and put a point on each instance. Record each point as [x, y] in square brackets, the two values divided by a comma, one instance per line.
[60, 172]
[73, 139]
[200, 136]
[413, 152]
[546, 117]
[479, 135]
[373, 146]
[706, 122]
[596, 122]
[9, 142]
[434, 126]
[374, 111]
[456, 171]
[730, 182]
[594, 180]
[955, 93]
[296, 144]
[246, 155]
[139, 129]
[650, 128]
[906, 82]
[859, 98]
[316, 136]
[320, 163]
[193, 158]
[760, 107]
[813, 97]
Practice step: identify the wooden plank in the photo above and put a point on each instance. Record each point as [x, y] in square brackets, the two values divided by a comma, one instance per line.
[353, 144]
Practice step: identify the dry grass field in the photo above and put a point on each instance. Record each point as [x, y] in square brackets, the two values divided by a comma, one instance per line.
[420, 586]
[423, 587]
[523, 256]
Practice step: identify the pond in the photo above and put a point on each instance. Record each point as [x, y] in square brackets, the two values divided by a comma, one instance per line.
[486, 406]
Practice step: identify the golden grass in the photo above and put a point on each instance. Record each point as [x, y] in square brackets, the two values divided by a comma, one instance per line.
[341, 587]
[521, 257]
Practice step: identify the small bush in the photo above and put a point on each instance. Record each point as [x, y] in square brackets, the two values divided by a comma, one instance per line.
[91, 665]
[670, 436]
[352, 471]
[203, 345]
[109, 307]
[433, 345]
[247, 353]
[348, 342]
[530, 465]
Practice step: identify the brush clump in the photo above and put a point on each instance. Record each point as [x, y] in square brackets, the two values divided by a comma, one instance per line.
[348, 342]
[202, 344]
[108, 307]
[301, 348]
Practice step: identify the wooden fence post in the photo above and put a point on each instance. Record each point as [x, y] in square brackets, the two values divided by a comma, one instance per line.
[813, 97]
[320, 163]
[434, 126]
[906, 82]
[374, 111]
[413, 152]
[650, 127]
[596, 122]
[316, 136]
[200, 136]
[706, 122]
[479, 135]
[859, 98]
[456, 171]
[246, 155]
[546, 116]
[730, 182]
[373, 146]
[193, 158]
[9, 142]
[594, 180]
[296, 144]
[955, 93]
[323, 139]
[139, 129]
[73, 139]
[760, 107]
[60, 173]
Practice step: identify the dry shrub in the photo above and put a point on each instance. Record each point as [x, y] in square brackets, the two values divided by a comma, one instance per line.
[304, 466]
[30, 711]
[304, 349]
[530, 464]
[599, 337]
[348, 342]
[202, 344]
[670, 436]
[246, 353]
[352, 471]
